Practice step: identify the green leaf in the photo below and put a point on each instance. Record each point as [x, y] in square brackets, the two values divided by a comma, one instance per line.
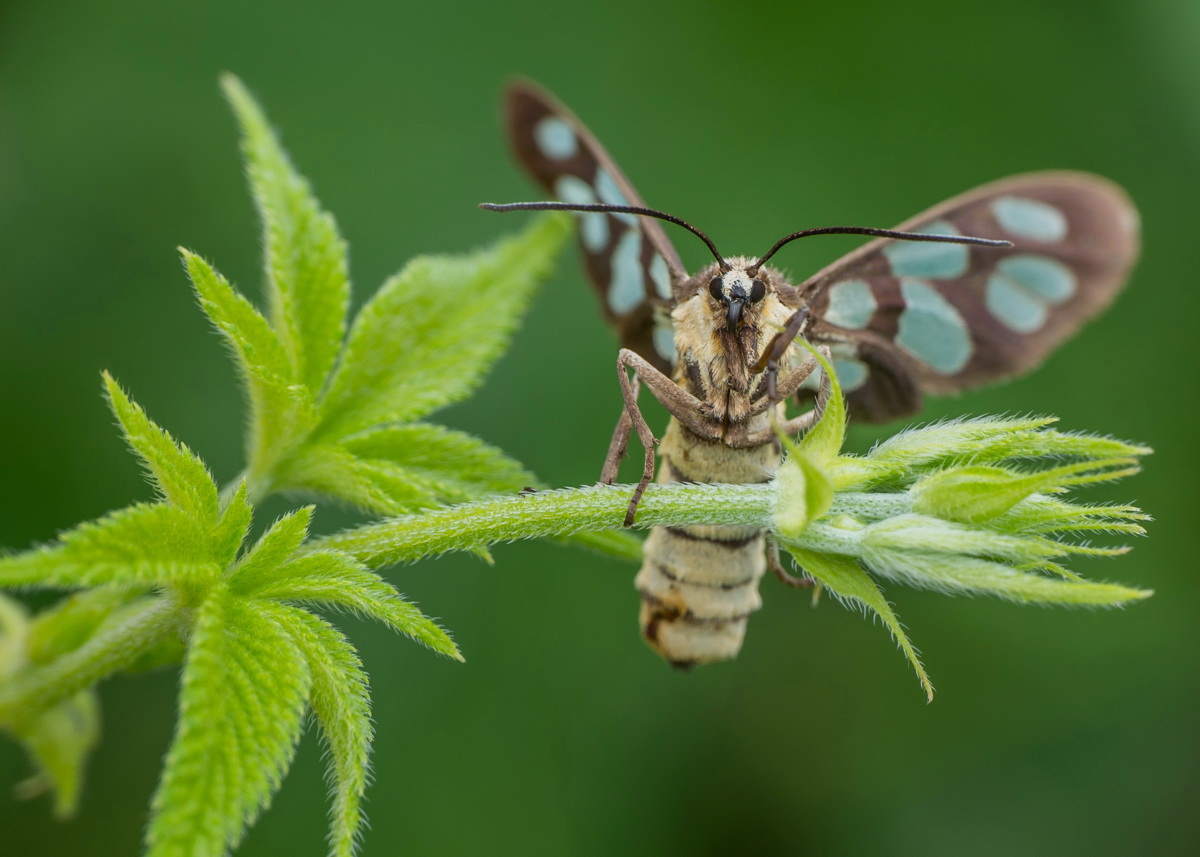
[279, 542]
[241, 706]
[950, 573]
[141, 544]
[281, 408]
[14, 636]
[68, 624]
[848, 582]
[921, 534]
[176, 471]
[822, 443]
[307, 283]
[336, 579]
[233, 527]
[327, 471]
[429, 335]
[405, 468]
[1047, 515]
[452, 466]
[117, 644]
[342, 705]
[978, 493]
[961, 440]
[59, 741]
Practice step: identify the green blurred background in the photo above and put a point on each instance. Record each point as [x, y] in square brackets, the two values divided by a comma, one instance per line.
[1055, 732]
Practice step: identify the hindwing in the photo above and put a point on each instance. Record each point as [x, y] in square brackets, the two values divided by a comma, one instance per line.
[633, 267]
[906, 318]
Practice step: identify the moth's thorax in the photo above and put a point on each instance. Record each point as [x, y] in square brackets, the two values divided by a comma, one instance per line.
[716, 363]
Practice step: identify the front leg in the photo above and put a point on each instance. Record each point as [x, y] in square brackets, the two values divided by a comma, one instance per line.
[692, 412]
[788, 387]
[796, 424]
[776, 348]
[619, 445]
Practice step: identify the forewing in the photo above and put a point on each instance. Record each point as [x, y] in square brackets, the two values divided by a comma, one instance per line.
[904, 318]
[628, 259]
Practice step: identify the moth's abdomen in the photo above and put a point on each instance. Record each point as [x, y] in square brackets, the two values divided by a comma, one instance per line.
[699, 584]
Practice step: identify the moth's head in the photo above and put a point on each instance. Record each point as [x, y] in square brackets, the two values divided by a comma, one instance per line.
[736, 289]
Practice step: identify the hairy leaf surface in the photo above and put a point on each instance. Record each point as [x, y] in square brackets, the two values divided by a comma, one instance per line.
[307, 283]
[429, 335]
[281, 408]
[146, 543]
[176, 471]
[342, 705]
[336, 579]
[241, 706]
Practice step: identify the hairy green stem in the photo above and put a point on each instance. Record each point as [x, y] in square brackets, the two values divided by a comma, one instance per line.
[36, 689]
[550, 513]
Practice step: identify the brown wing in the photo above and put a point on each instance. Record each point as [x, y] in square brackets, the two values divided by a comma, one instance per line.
[628, 259]
[904, 317]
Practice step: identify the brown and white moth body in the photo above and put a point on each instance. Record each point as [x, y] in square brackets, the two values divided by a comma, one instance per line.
[899, 319]
[699, 584]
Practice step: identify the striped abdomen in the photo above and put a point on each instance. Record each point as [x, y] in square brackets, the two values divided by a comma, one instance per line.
[699, 584]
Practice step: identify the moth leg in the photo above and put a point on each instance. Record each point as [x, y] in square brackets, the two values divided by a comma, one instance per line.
[788, 387]
[777, 567]
[776, 348]
[679, 402]
[797, 424]
[694, 413]
[618, 447]
[633, 417]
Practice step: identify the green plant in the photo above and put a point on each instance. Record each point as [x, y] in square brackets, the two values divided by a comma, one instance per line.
[337, 412]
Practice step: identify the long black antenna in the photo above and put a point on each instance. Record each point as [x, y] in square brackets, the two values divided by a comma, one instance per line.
[753, 269]
[875, 233]
[611, 209]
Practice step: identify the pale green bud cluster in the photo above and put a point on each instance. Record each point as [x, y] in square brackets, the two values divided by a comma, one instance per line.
[970, 506]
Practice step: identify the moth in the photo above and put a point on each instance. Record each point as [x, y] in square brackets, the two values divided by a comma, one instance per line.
[975, 290]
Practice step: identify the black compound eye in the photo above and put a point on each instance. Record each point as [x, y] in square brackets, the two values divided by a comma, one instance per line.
[758, 291]
[714, 289]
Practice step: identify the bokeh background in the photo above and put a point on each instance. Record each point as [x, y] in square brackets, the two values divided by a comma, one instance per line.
[1055, 732]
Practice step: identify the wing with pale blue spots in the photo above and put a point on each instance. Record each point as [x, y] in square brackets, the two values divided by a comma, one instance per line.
[906, 318]
[628, 259]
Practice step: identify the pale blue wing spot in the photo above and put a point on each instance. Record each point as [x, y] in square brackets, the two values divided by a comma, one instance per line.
[1030, 218]
[1047, 277]
[593, 228]
[851, 304]
[660, 276]
[555, 138]
[1015, 307]
[594, 231]
[852, 373]
[626, 289]
[574, 190]
[931, 329]
[927, 259]
[664, 341]
[609, 192]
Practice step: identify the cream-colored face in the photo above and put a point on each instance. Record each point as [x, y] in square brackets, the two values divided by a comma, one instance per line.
[721, 330]
[734, 291]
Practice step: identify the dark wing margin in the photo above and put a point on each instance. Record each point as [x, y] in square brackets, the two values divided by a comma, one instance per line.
[904, 318]
[633, 267]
